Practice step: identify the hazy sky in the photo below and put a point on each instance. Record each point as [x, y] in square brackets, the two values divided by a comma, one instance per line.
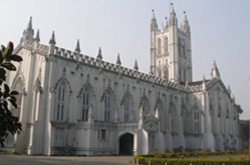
[219, 31]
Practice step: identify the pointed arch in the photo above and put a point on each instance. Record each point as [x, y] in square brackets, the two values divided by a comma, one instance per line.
[108, 98]
[85, 96]
[127, 102]
[144, 102]
[62, 92]
[159, 72]
[18, 86]
[166, 45]
[160, 107]
[196, 119]
[159, 46]
[166, 72]
[172, 114]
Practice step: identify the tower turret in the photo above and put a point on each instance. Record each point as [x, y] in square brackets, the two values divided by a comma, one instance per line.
[186, 27]
[173, 19]
[153, 25]
[28, 33]
[52, 43]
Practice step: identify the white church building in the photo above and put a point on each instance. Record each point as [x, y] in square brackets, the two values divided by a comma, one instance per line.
[74, 104]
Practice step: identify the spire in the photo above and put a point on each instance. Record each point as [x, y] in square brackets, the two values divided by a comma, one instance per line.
[28, 33]
[38, 36]
[173, 19]
[52, 40]
[29, 27]
[186, 26]
[215, 72]
[118, 61]
[77, 49]
[136, 65]
[99, 56]
[52, 43]
[153, 24]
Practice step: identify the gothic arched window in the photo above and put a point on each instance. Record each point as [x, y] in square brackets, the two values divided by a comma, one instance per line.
[159, 46]
[18, 87]
[159, 72]
[166, 45]
[85, 104]
[127, 106]
[172, 117]
[61, 102]
[107, 107]
[196, 120]
[145, 104]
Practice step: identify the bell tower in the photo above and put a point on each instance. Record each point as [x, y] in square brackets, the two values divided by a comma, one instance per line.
[170, 50]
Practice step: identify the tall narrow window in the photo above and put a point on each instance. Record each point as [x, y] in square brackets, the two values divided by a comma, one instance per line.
[227, 111]
[172, 120]
[159, 46]
[159, 72]
[60, 102]
[126, 109]
[166, 45]
[85, 104]
[107, 108]
[196, 120]
[166, 73]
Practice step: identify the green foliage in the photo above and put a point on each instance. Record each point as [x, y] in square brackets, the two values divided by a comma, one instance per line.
[8, 122]
[195, 158]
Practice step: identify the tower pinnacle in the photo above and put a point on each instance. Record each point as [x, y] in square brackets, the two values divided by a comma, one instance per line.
[118, 60]
[153, 24]
[99, 55]
[77, 49]
[28, 33]
[215, 71]
[52, 40]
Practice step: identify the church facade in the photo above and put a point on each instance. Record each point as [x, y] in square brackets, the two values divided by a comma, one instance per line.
[74, 104]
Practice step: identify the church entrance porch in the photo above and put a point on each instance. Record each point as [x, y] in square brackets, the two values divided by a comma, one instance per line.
[126, 143]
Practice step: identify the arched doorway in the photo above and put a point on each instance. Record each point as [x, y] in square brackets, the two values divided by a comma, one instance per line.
[126, 144]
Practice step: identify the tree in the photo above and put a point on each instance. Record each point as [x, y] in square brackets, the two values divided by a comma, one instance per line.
[8, 122]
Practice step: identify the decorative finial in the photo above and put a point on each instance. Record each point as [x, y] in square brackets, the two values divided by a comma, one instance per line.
[52, 40]
[38, 36]
[118, 61]
[99, 56]
[30, 24]
[77, 49]
[136, 65]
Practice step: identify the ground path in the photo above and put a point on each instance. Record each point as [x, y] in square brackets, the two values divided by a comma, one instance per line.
[72, 160]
